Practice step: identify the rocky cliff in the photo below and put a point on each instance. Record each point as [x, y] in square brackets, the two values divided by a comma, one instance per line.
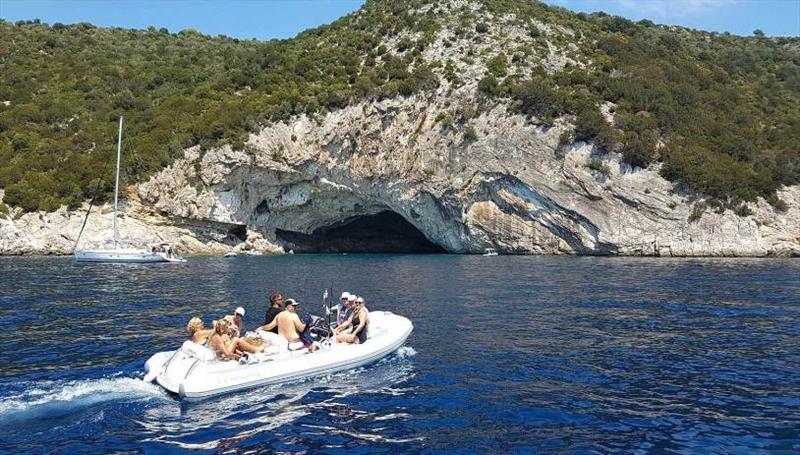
[444, 168]
[511, 187]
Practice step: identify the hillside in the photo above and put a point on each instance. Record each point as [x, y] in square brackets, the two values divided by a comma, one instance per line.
[722, 113]
[502, 124]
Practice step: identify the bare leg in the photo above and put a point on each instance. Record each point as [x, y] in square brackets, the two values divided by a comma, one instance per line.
[345, 338]
[247, 347]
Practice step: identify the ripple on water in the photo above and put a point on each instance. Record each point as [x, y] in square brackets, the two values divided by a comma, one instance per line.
[519, 354]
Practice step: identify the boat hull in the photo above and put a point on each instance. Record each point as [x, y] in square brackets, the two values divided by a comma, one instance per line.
[125, 256]
[193, 379]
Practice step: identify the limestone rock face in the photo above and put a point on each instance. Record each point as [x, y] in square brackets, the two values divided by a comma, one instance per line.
[513, 189]
[465, 173]
[56, 233]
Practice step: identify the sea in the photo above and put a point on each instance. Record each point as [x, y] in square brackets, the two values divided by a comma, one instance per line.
[509, 354]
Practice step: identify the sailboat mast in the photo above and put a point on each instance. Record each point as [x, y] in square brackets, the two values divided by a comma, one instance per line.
[116, 182]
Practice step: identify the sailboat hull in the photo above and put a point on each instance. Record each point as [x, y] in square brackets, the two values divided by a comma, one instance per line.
[127, 256]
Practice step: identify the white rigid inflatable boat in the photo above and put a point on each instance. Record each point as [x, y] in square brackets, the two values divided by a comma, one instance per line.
[193, 371]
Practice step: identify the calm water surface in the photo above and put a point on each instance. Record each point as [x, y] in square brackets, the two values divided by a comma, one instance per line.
[509, 354]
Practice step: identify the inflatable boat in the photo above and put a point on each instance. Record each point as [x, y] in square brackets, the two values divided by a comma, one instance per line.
[193, 372]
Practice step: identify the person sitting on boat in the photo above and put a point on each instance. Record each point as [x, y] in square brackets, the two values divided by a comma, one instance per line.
[228, 347]
[341, 307]
[236, 322]
[347, 309]
[357, 323]
[290, 326]
[197, 331]
[276, 306]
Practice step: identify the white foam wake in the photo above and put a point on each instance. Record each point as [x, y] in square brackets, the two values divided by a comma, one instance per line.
[405, 352]
[57, 397]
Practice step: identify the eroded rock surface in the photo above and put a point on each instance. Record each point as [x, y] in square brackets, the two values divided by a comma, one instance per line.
[512, 189]
[306, 183]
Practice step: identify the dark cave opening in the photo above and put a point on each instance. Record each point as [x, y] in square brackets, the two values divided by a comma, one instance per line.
[238, 232]
[383, 232]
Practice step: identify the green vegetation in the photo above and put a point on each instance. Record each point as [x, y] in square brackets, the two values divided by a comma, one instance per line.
[470, 135]
[67, 85]
[598, 165]
[720, 112]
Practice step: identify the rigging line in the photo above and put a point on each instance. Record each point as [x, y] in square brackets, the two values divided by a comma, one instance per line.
[85, 219]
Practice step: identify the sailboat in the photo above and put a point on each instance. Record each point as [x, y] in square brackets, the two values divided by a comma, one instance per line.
[156, 252]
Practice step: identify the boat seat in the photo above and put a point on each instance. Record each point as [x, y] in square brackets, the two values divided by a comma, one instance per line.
[197, 351]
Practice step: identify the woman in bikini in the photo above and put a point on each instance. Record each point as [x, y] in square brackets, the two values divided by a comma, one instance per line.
[197, 331]
[359, 320]
[227, 347]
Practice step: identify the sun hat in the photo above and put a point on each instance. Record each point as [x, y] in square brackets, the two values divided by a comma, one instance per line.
[239, 311]
[345, 295]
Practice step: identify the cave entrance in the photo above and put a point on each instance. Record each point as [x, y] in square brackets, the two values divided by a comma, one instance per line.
[384, 232]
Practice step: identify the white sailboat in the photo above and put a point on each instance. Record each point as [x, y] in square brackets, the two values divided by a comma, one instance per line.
[156, 252]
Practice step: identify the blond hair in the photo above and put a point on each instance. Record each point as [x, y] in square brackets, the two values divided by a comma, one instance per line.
[221, 326]
[194, 325]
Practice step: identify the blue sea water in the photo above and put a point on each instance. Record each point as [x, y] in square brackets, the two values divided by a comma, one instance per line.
[509, 354]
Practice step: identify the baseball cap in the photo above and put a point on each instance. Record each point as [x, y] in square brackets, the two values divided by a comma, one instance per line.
[239, 311]
[351, 298]
[292, 302]
[345, 295]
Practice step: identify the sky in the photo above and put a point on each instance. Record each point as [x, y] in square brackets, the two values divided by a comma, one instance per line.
[267, 19]
[740, 17]
[243, 19]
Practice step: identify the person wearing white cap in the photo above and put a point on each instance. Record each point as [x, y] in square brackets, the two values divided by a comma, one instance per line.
[357, 323]
[347, 308]
[341, 307]
[236, 323]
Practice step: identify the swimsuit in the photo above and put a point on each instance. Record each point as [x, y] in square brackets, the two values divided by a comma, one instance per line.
[362, 335]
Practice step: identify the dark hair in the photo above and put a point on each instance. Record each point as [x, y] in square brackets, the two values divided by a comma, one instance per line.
[274, 297]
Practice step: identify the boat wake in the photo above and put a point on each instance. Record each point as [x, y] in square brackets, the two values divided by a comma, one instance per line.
[54, 398]
[405, 352]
